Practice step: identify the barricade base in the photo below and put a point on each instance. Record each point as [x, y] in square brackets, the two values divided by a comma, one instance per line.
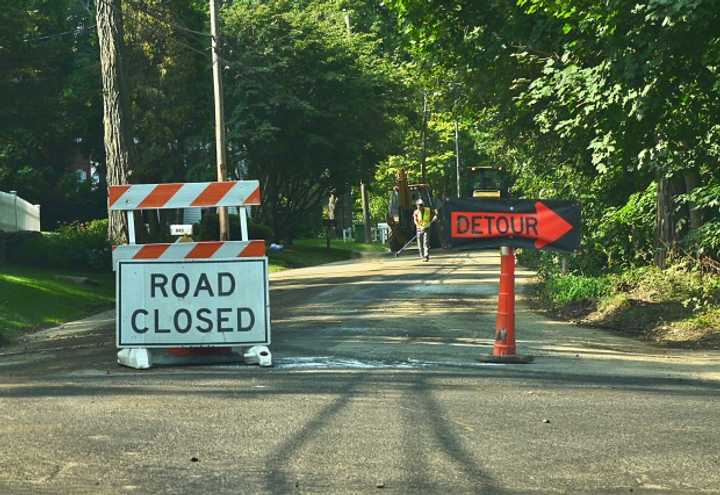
[512, 359]
[137, 357]
[258, 354]
[142, 358]
[193, 355]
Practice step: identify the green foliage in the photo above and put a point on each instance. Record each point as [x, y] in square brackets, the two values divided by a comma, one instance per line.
[308, 105]
[677, 284]
[680, 282]
[78, 246]
[626, 235]
[50, 109]
[705, 240]
[560, 290]
[590, 101]
[593, 101]
[170, 84]
[82, 245]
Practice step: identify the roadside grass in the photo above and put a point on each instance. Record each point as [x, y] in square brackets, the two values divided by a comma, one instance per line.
[32, 298]
[678, 306]
[339, 245]
[312, 252]
[35, 298]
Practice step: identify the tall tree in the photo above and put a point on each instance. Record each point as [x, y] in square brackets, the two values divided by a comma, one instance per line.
[115, 99]
[309, 104]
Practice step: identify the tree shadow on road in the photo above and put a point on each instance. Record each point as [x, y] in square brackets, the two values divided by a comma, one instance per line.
[425, 416]
[430, 416]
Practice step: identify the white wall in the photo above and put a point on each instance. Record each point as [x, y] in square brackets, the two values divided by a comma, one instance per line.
[17, 214]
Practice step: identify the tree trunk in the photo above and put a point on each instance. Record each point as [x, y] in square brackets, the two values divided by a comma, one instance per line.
[115, 98]
[692, 180]
[365, 210]
[664, 225]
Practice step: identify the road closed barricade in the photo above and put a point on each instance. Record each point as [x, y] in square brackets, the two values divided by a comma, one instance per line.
[190, 302]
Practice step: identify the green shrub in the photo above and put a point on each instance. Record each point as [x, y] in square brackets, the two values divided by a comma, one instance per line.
[679, 282]
[260, 231]
[560, 290]
[626, 234]
[81, 246]
[705, 241]
[25, 248]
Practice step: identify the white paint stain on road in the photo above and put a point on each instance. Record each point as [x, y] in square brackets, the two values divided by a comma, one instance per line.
[455, 289]
[328, 362]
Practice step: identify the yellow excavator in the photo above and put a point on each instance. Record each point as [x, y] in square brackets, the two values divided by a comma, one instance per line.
[486, 182]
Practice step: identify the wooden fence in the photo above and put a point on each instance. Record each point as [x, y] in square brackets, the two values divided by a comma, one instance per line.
[16, 214]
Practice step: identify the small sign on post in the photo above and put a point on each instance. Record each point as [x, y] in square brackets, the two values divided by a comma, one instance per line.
[181, 230]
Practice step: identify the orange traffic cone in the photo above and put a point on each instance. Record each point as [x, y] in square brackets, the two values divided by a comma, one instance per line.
[505, 321]
[504, 349]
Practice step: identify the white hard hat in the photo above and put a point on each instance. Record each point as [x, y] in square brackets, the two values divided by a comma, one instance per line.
[419, 202]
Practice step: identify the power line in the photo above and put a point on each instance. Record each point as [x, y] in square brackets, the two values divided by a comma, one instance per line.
[76, 31]
[202, 52]
[83, 30]
[159, 16]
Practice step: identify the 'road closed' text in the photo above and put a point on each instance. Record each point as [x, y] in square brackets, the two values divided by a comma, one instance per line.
[203, 320]
[193, 303]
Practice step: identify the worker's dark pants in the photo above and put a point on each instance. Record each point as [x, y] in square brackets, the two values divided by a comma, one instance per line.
[422, 242]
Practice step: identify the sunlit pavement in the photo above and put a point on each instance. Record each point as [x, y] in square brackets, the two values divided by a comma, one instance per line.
[377, 386]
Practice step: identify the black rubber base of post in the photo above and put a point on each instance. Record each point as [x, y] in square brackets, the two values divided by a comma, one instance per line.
[516, 359]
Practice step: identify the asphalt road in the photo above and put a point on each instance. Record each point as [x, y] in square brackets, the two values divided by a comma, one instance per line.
[376, 388]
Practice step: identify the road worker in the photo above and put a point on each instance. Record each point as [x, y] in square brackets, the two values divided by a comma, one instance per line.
[423, 217]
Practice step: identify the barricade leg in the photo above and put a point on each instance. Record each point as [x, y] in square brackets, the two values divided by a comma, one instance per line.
[138, 358]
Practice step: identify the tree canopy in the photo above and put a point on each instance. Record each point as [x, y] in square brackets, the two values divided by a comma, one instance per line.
[612, 103]
[593, 101]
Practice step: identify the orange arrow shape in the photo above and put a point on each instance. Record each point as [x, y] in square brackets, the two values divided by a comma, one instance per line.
[545, 226]
[551, 226]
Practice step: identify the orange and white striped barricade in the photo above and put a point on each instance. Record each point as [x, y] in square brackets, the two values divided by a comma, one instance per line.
[192, 302]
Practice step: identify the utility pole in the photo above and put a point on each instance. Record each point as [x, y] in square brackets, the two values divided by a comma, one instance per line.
[115, 107]
[365, 209]
[363, 186]
[220, 155]
[457, 159]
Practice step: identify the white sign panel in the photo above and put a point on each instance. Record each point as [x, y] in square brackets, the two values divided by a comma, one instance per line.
[181, 229]
[198, 303]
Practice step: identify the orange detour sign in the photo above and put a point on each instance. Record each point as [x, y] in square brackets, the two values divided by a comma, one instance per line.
[484, 223]
[544, 227]
[190, 302]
